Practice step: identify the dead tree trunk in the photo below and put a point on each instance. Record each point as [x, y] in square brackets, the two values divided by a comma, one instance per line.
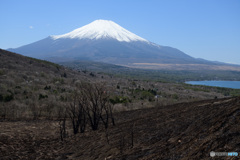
[76, 113]
[94, 95]
[62, 116]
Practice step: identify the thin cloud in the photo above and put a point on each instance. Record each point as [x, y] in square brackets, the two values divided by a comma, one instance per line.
[31, 27]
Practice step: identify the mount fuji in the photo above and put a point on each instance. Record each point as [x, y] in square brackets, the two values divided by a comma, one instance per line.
[105, 41]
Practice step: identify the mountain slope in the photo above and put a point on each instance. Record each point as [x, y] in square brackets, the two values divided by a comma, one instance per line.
[104, 41]
[26, 81]
[31, 87]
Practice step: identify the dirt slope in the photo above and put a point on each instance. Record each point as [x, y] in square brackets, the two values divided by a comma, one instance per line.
[181, 131]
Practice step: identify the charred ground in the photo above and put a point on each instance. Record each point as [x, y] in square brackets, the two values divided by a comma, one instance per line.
[180, 131]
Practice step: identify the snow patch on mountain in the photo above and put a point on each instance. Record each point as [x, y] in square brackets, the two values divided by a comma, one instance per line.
[101, 29]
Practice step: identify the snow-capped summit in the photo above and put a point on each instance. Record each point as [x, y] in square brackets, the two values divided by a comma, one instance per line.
[103, 41]
[101, 29]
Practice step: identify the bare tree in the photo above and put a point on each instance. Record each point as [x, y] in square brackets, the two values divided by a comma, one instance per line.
[132, 133]
[36, 110]
[94, 95]
[107, 114]
[111, 114]
[82, 101]
[76, 112]
[90, 103]
[3, 111]
[121, 143]
[95, 99]
[62, 116]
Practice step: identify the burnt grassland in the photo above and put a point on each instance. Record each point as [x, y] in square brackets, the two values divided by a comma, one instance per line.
[181, 131]
[154, 119]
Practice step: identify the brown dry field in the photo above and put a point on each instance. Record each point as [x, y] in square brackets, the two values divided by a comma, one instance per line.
[184, 66]
[181, 131]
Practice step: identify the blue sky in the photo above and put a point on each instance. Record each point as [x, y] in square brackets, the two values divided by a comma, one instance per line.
[208, 29]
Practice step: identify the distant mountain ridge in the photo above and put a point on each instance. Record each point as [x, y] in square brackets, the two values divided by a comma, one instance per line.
[105, 41]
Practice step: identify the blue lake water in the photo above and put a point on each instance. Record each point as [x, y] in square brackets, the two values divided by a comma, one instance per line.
[226, 84]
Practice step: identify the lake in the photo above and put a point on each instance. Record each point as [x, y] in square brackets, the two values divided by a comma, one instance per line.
[226, 84]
